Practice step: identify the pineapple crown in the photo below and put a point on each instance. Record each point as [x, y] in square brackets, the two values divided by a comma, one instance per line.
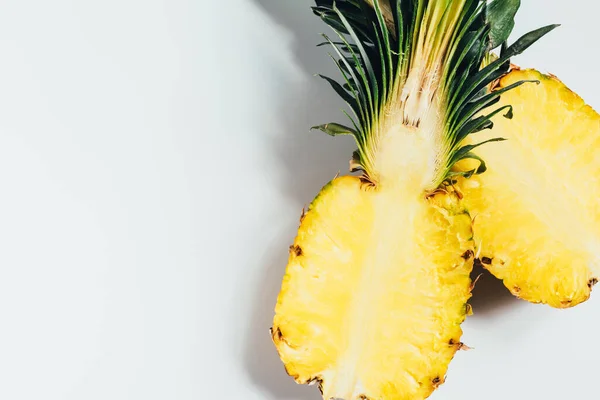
[404, 57]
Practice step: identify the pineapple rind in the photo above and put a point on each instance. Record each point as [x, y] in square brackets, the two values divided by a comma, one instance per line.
[385, 323]
[536, 209]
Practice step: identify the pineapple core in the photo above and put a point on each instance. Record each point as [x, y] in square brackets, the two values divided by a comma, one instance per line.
[409, 156]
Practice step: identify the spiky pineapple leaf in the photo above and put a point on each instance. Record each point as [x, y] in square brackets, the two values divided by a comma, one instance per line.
[334, 129]
[465, 152]
[501, 18]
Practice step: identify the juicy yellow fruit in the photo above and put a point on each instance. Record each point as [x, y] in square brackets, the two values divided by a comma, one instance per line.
[537, 209]
[375, 290]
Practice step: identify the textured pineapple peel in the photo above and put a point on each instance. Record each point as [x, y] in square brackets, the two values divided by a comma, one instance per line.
[375, 291]
[536, 209]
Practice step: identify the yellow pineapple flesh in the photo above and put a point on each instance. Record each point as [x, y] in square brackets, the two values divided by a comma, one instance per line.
[375, 291]
[536, 208]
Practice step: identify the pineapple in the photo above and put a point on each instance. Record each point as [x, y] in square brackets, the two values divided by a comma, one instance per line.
[375, 291]
[536, 209]
[377, 281]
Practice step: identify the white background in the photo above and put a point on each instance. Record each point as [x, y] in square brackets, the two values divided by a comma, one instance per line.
[154, 159]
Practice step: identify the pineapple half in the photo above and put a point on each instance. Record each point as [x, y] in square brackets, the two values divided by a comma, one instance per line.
[536, 210]
[375, 291]
[377, 281]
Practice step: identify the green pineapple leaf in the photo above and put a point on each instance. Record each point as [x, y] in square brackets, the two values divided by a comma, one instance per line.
[334, 129]
[501, 18]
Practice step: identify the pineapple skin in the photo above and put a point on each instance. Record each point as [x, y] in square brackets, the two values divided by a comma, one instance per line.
[536, 208]
[375, 290]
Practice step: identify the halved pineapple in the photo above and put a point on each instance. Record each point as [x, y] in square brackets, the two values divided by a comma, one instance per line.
[375, 292]
[536, 209]
[378, 278]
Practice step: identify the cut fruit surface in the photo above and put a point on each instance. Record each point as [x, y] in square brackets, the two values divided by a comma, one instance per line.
[536, 208]
[374, 293]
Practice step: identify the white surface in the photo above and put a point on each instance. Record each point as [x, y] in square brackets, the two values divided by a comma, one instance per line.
[155, 157]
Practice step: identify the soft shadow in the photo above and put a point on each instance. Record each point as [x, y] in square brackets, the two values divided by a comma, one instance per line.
[307, 161]
[489, 294]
